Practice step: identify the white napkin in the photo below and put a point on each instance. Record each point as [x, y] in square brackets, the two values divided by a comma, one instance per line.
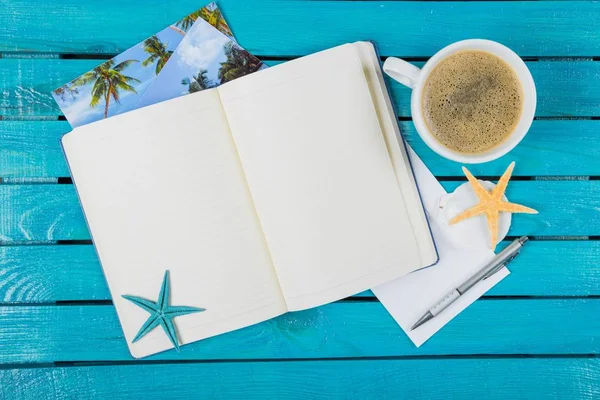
[409, 297]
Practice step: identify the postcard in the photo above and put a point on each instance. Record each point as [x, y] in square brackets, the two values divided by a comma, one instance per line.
[205, 58]
[117, 85]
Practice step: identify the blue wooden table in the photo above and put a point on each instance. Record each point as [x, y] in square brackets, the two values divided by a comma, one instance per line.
[536, 335]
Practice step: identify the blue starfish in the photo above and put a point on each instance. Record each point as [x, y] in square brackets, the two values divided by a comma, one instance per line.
[161, 313]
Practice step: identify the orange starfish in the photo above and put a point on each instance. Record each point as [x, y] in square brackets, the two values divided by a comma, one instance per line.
[491, 203]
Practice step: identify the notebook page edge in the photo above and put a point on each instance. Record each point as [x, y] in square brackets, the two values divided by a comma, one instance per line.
[394, 140]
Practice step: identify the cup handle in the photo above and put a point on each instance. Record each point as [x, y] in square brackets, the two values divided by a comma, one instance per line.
[402, 71]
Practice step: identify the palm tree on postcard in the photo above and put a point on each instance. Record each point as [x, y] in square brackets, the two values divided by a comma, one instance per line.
[215, 18]
[210, 14]
[109, 81]
[158, 53]
[239, 63]
[186, 22]
[199, 82]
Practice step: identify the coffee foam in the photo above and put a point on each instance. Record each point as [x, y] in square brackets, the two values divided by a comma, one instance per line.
[472, 101]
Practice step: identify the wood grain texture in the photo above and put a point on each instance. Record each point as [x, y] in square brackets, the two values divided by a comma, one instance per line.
[26, 83]
[30, 274]
[572, 207]
[40, 334]
[31, 149]
[551, 148]
[52, 212]
[359, 379]
[50, 273]
[292, 27]
[40, 213]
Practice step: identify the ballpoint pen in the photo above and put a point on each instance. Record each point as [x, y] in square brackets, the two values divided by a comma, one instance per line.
[497, 263]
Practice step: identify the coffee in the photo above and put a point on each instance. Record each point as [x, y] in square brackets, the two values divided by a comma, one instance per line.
[472, 101]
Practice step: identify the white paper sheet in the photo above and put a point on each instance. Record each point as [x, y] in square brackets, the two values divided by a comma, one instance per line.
[409, 297]
[311, 146]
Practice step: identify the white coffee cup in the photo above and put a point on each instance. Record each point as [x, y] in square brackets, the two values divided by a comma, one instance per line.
[414, 78]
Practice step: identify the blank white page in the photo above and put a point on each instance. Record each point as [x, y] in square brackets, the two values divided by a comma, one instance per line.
[162, 188]
[398, 154]
[321, 177]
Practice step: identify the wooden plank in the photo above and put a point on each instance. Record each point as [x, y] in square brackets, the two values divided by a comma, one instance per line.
[573, 378]
[31, 149]
[40, 213]
[50, 273]
[26, 83]
[52, 212]
[551, 148]
[564, 89]
[42, 334]
[73, 273]
[565, 207]
[292, 27]
[582, 78]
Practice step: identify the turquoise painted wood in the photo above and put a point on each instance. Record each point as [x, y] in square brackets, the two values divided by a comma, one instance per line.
[43, 334]
[386, 379]
[50, 273]
[551, 148]
[47, 274]
[296, 27]
[31, 149]
[50, 212]
[535, 335]
[26, 83]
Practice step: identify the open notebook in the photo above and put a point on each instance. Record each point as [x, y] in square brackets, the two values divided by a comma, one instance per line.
[282, 190]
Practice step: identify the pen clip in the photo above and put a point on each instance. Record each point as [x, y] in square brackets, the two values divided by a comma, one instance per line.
[500, 266]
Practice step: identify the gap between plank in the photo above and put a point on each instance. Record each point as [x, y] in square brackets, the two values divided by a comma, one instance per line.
[269, 57]
[88, 242]
[337, 359]
[75, 364]
[67, 180]
[61, 117]
[358, 299]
